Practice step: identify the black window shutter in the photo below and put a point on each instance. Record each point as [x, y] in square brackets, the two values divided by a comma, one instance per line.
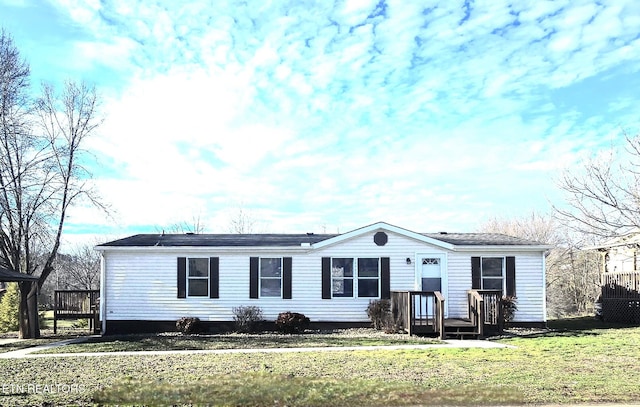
[476, 279]
[326, 278]
[511, 275]
[253, 277]
[286, 278]
[385, 278]
[182, 277]
[214, 277]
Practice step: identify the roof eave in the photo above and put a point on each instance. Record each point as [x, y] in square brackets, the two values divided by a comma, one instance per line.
[502, 248]
[253, 249]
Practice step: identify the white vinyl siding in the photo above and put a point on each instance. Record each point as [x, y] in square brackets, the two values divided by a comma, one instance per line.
[141, 284]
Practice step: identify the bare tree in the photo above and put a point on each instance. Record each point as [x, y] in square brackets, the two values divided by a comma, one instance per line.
[603, 196]
[195, 226]
[242, 223]
[79, 269]
[535, 226]
[41, 175]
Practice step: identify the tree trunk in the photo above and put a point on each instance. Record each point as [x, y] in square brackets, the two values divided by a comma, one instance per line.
[29, 322]
[34, 317]
[23, 310]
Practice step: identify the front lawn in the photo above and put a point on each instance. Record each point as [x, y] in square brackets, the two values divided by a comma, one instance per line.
[176, 341]
[593, 363]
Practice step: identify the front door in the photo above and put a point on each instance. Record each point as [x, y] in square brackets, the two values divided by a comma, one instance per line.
[432, 276]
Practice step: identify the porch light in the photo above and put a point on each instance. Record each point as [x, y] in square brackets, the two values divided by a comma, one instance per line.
[408, 260]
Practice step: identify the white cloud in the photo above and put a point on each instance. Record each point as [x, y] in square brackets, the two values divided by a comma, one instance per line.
[341, 114]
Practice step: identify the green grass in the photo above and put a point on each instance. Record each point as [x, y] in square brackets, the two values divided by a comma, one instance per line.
[580, 362]
[63, 324]
[160, 342]
[260, 388]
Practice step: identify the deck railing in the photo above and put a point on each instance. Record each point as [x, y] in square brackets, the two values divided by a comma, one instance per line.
[476, 310]
[485, 309]
[621, 284]
[418, 311]
[621, 296]
[76, 304]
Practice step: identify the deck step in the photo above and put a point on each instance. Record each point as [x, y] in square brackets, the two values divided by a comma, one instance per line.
[460, 328]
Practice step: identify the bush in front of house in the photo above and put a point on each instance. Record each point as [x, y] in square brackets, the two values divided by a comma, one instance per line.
[9, 308]
[292, 322]
[247, 318]
[188, 325]
[379, 312]
[509, 307]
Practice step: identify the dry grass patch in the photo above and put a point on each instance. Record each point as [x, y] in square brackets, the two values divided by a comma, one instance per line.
[177, 341]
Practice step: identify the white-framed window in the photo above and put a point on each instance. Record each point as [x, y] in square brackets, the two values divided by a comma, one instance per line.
[492, 273]
[355, 277]
[270, 276]
[198, 277]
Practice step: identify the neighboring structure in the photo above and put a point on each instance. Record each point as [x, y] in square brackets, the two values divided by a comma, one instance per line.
[8, 276]
[150, 281]
[620, 279]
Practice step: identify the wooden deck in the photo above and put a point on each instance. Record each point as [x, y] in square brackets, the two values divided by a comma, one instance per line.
[422, 313]
[76, 304]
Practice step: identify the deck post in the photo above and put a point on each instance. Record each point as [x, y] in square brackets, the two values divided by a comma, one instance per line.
[411, 313]
[439, 299]
[481, 318]
[55, 314]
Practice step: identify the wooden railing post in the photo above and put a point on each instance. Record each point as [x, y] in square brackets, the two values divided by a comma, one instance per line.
[55, 312]
[481, 317]
[411, 313]
[439, 307]
[500, 316]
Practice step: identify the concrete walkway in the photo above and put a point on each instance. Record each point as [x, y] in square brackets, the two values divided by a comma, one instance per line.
[448, 344]
[21, 353]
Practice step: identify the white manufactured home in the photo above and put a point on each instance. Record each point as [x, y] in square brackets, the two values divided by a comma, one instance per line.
[150, 281]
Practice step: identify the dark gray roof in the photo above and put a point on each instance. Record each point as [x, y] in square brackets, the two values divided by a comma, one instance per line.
[288, 240]
[481, 239]
[218, 240]
[10, 275]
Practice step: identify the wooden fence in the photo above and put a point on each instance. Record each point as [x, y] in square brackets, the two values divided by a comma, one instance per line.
[77, 304]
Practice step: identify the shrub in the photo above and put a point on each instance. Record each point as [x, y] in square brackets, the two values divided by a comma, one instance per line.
[509, 307]
[292, 322]
[84, 323]
[9, 308]
[188, 325]
[379, 312]
[247, 318]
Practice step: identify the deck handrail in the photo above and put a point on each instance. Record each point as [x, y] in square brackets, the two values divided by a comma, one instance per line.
[476, 310]
[620, 284]
[492, 308]
[407, 307]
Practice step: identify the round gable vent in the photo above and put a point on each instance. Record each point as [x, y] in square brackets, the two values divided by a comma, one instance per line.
[380, 238]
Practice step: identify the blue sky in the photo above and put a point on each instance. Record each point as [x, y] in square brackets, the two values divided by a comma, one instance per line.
[327, 116]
